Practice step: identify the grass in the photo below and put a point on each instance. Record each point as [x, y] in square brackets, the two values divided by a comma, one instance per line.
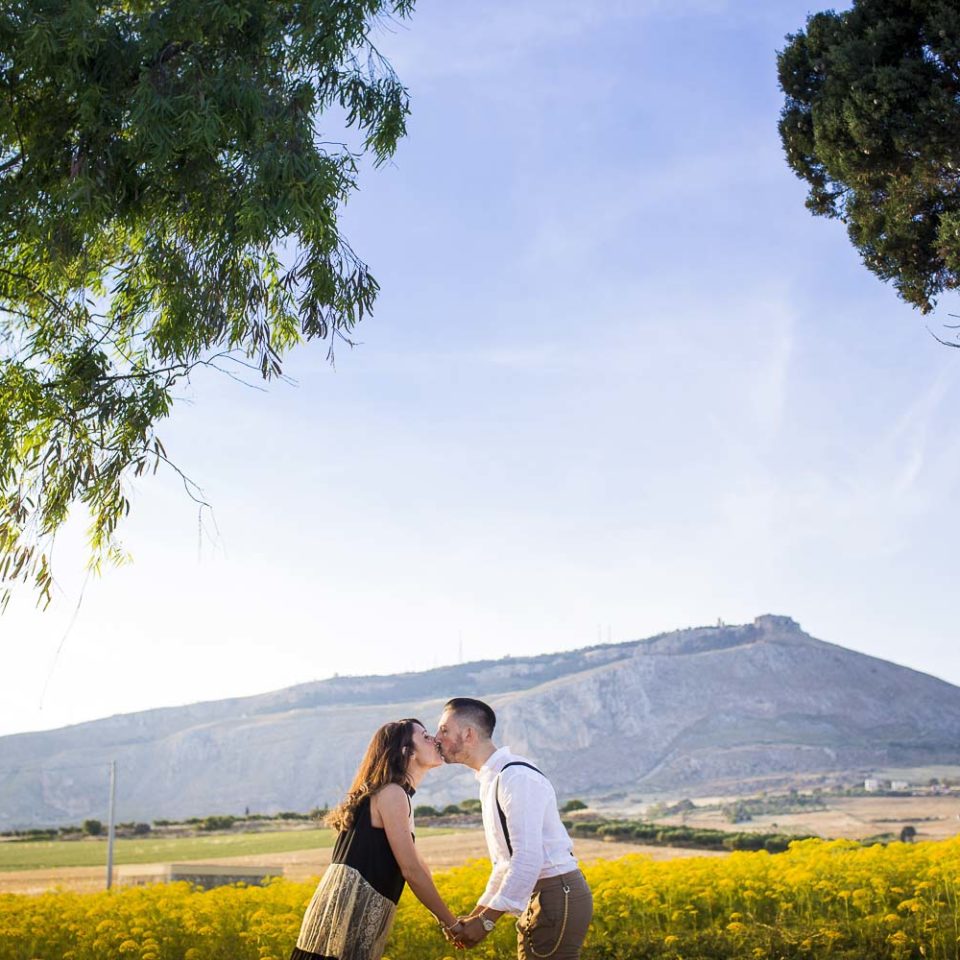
[51, 854]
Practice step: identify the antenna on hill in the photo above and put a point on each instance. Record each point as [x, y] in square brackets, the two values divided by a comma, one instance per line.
[460, 644]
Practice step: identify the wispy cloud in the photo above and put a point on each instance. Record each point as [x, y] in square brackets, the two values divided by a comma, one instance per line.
[769, 391]
[907, 441]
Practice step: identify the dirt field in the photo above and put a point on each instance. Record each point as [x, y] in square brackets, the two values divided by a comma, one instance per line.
[934, 818]
[441, 852]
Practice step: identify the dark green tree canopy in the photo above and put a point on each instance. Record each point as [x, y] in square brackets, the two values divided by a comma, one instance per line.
[872, 122]
[166, 200]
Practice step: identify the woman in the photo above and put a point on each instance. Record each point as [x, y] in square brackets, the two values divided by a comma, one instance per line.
[352, 910]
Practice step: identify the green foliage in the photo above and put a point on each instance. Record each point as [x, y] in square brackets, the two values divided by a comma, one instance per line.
[640, 831]
[34, 833]
[217, 822]
[738, 812]
[92, 827]
[133, 828]
[471, 806]
[572, 805]
[872, 123]
[159, 849]
[166, 201]
[741, 811]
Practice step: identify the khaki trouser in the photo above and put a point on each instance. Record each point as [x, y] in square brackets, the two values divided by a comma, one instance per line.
[541, 930]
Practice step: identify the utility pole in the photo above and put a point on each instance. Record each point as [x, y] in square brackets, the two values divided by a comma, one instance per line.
[111, 825]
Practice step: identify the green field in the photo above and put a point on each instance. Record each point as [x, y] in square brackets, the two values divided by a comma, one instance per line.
[49, 854]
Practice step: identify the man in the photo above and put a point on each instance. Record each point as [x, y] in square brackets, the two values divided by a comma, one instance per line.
[534, 871]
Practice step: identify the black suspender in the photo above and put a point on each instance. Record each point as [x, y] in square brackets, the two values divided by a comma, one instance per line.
[503, 816]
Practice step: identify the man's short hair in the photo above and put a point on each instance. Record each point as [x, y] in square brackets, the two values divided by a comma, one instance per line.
[474, 712]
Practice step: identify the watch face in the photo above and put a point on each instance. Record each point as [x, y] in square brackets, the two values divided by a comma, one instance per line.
[488, 924]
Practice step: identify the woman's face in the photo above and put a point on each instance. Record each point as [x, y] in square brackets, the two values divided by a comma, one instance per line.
[425, 751]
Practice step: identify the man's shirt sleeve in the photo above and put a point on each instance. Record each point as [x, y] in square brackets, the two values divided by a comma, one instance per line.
[524, 799]
[494, 883]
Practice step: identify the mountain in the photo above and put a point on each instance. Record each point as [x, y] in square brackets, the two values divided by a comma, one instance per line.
[680, 711]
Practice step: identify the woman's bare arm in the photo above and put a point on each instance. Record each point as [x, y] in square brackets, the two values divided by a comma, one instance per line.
[392, 804]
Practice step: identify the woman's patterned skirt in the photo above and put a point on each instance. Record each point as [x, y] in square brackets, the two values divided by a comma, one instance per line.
[346, 919]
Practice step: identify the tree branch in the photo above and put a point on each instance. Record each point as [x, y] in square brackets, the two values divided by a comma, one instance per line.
[4, 167]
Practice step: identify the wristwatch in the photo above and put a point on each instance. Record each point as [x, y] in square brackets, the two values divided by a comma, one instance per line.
[488, 924]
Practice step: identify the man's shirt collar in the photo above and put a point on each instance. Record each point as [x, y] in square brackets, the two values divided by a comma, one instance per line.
[493, 765]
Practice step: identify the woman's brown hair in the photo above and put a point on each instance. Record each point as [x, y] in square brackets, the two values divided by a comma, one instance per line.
[385, 761]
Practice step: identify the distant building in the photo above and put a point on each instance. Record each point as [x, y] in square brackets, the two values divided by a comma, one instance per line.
[899, 784]
[871, 785]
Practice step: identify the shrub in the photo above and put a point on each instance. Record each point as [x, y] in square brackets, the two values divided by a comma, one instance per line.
[586, 828]
[644, 831]
[218, 822]
[619, 830]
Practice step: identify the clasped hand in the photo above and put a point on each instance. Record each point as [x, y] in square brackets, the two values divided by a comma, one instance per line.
[466, 932]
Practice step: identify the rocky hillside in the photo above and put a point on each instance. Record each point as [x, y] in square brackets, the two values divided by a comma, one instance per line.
[683, 710]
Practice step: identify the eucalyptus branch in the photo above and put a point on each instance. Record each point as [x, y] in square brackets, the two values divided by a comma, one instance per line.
[193, 489]
[183, 224]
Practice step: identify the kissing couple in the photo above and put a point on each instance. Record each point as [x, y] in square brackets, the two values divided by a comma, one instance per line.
[534, 873]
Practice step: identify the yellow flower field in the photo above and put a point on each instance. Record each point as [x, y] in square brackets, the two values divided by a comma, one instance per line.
[819, 899]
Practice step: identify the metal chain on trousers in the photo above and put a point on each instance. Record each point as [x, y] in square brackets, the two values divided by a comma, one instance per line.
[563, 926]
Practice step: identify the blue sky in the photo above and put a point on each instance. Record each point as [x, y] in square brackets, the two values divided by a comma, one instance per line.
[618, 381]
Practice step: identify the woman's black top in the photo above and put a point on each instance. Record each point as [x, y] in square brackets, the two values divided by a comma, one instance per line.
[366, 848]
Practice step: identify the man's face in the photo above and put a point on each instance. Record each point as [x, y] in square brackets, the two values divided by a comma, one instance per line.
[450, 738]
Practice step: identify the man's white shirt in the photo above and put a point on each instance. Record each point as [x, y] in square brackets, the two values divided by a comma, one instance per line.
[541, 846]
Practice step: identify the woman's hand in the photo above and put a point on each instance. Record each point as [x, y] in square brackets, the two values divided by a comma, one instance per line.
[452, 933]
[472, 932]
